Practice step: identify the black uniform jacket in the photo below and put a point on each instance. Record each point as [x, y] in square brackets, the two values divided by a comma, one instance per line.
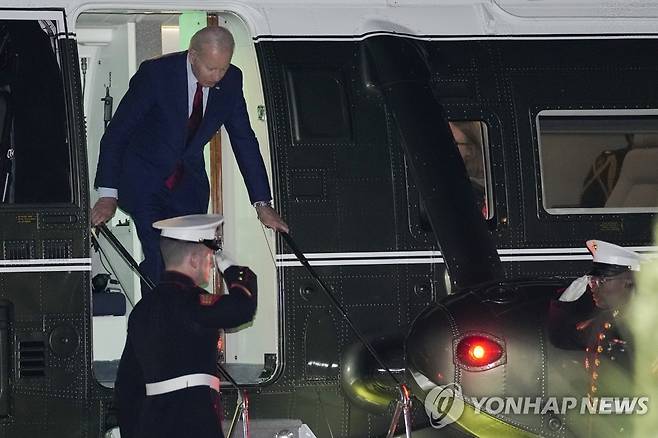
[564, 317]
[174, 332]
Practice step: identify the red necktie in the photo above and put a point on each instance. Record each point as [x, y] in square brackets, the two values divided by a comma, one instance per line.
[197, 113]
[193, 124]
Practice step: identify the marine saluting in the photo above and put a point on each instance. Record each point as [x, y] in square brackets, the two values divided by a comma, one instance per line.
[594, 299]
[166, 384]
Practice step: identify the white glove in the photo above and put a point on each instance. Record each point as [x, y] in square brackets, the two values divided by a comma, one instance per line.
[222, 262]
[576, 289]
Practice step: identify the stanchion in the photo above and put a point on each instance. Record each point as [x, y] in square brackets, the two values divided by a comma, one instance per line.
[403, 406]
[241, 413]
[125, 255]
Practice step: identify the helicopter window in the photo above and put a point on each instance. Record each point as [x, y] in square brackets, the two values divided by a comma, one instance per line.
[600, 161]
[471, 139]
[34, 151]
[322, 95]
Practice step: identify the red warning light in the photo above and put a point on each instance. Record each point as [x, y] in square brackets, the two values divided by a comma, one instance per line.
[477, 352]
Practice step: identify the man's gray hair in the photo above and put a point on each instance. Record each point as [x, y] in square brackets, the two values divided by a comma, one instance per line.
[217, 37]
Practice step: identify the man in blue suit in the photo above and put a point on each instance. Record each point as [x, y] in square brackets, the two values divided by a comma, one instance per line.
[151, 157]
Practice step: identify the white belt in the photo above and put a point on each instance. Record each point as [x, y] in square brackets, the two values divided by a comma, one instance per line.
[182, 382]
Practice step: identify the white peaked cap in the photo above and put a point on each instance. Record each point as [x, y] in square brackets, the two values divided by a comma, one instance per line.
[192, 228]
[606, 253]
[610, 254]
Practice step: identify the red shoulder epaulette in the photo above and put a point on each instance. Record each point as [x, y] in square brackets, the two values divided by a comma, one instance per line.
[208, 299]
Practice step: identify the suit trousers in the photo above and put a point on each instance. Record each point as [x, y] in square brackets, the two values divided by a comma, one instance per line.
[163, 205]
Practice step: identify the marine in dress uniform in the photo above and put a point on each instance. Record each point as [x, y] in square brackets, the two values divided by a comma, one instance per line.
[167, 383]
[589, 315]
[603, 290]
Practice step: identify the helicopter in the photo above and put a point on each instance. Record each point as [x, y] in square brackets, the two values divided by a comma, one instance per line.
[462, 189]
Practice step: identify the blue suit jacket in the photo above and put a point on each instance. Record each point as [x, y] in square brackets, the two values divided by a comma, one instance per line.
[146, 138]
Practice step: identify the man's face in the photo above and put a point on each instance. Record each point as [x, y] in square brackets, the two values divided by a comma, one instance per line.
[470, 152]
[612, 292]
[210, 64]
[205, 266]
